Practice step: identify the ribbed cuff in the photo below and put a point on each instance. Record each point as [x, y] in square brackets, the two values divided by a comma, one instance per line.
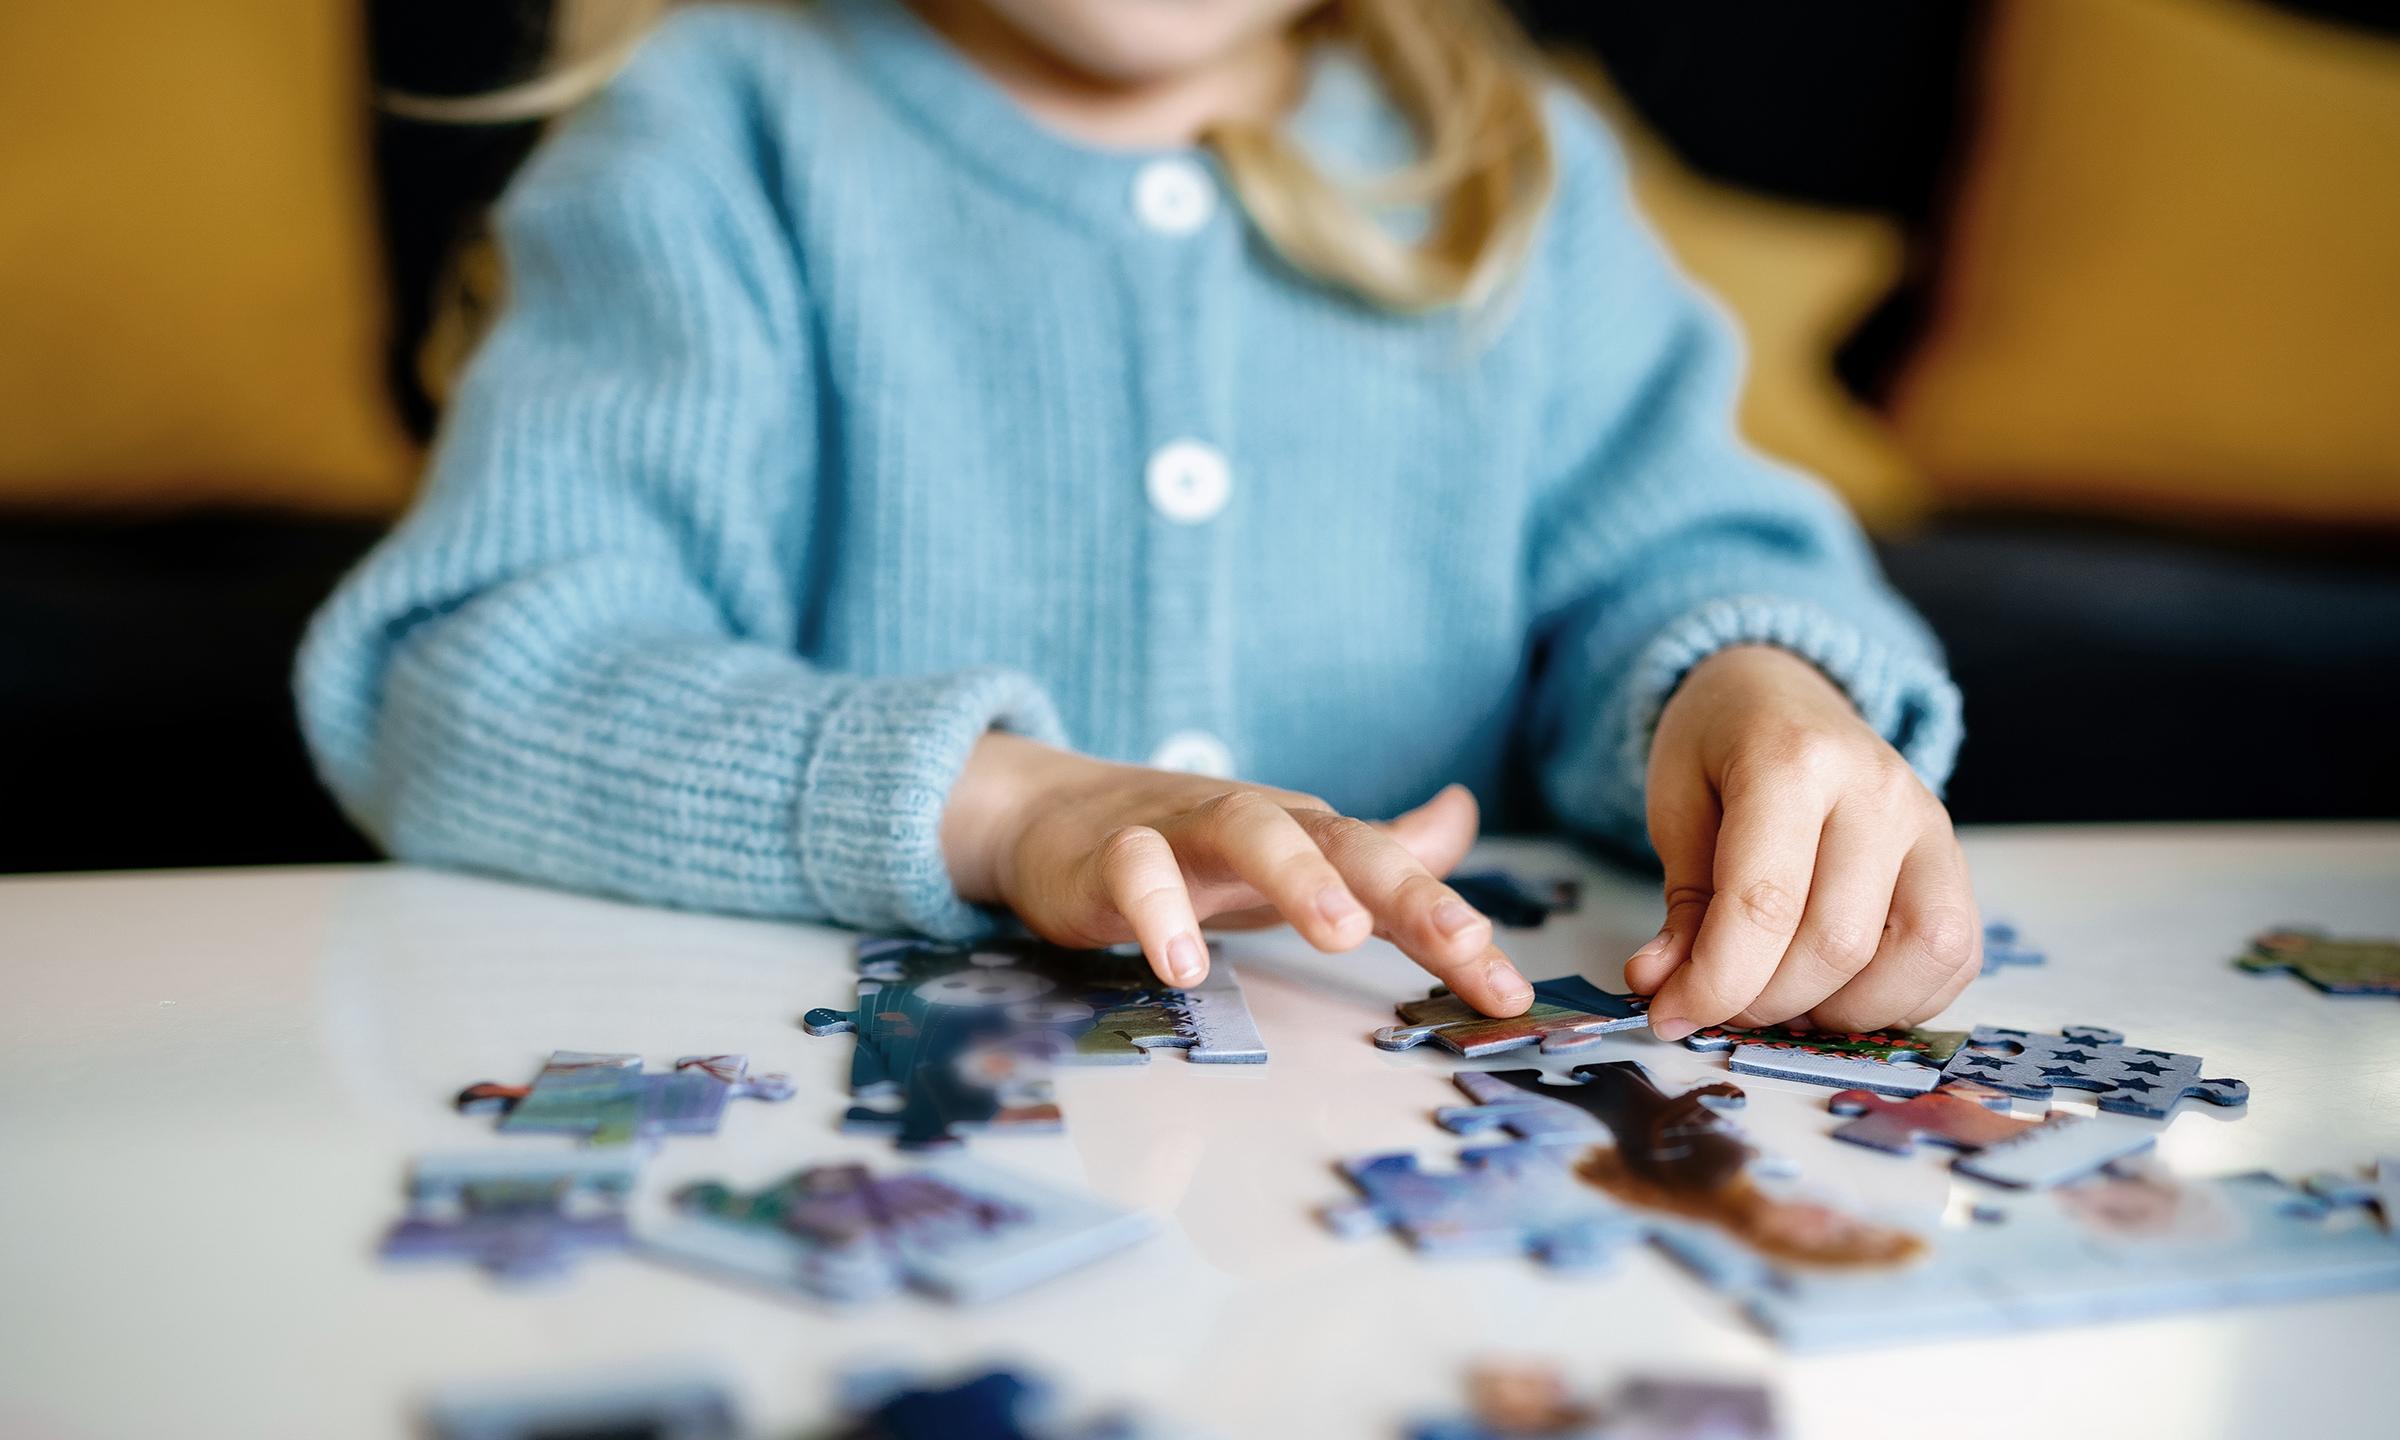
[878, 778]
[1901, 689]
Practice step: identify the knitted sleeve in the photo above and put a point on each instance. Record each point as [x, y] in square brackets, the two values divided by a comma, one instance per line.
[1662, 538]
[574, 661]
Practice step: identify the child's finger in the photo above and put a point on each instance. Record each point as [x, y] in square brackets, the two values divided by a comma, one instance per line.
[1766, 853]
[1931, 937]
[1683, 829]
[1142, 881]
[1420, 914]
[1258, 842]
[1949, 992]
[1849, 894]
[1439, 832]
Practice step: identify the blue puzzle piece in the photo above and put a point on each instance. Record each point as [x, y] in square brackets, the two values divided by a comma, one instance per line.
[999, 1405]
[2128, 1080]
[608, 1100]
[1507, 900]
[2378, 1190]
[521, 1217]
[2002, 948]
[670, 1410]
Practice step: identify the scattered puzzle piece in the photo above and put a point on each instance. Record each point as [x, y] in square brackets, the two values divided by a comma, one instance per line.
[2000, 1148]
[2129, 1080]
[2378, 1190]
[608, 1100]
[2002, 949]
[1000, 1405]
[839, 1232]
[1521, 1198]
[952, 1040]
[671, 1410]
[2108, 1248]
[1890, 1062]
[1531, 1402]
[1568, 1013]
[521, 1217]
[2337, 967]
[1517, 903]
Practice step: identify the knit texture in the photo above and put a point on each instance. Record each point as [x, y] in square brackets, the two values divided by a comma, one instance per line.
[813, 444]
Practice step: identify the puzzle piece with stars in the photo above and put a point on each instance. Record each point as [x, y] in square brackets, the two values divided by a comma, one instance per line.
[1568, 1014]
[2128, 1079]
[521, 1217]
[1889, 1062]
[2337, 967]
[609, 1100]
[954, 1229]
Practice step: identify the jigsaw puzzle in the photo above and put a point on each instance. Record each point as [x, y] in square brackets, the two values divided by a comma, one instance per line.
[2337, 967]
[1890, 1062]
[1676, 1175]
[520, 1217]
[2378, 1190]
[1999, 1148]
[839, 1232]
[1531, 1402]
[668, 1410]
[1517, 903]
[998, 1405]
[608, 1100]
[2127, 1079]
[952, 1040]
[1568, 1014]
[2002, 948]
[2108, 1248]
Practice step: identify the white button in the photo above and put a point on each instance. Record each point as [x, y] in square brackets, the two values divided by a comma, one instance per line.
[1173, 197]
[1188, 481]
[1194, 752]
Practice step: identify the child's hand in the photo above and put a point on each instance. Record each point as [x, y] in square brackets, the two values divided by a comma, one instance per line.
[1809, 871]
[1089, 853]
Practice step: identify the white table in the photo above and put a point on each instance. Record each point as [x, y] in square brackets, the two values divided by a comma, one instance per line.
[210, 1084]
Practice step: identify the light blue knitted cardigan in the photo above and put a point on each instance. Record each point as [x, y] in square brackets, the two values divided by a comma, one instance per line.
[813, 444]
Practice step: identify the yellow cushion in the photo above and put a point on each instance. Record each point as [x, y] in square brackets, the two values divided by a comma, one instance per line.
[2174, 282]
[1797, 280]
[190, 291]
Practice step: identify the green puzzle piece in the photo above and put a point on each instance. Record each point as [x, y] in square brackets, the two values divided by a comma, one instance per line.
[2337, 967]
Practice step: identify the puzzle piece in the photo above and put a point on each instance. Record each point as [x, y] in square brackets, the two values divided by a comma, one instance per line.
[1517, 903]
[999, 1405]
[2000, 1148]
[1568, 1014]
[521, 1217]
[1530, 1402]
[2108, 1248]
[672, 1410]
[1520, 1198]
[838, 1232]
[1889, 1062]
[2001, 949]
[2337, 967]
[952, 1040]
[2128, 1079]
[607, 1100]
[2379, 1191]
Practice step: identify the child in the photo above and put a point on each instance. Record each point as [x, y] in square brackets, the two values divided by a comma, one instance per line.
[908, 418]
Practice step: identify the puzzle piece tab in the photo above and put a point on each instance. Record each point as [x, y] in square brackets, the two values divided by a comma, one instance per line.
[2128, 1080]
[608, 1100]
[1568, 1014]
[954, 1229]
[1514, 902]
[1889, 1062]
[953, 1040]
[521, 1217]
[2337, 967]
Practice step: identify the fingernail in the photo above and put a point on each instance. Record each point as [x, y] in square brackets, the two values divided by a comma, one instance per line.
[1655, 945]
[1452, 917]
[1508, 984]
[1670, 1027]
[1336, 905]
[1186, 961]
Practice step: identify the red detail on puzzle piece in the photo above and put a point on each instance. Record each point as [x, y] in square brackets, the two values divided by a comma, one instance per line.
[1958, 1115]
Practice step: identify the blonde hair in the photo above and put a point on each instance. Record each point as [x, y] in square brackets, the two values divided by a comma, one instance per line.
[1459, 70]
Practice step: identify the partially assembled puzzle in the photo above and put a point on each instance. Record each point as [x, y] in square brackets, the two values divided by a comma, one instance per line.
[954, 1229]
[953, 1040]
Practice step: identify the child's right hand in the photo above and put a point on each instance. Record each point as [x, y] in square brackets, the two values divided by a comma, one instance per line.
[1089, 853]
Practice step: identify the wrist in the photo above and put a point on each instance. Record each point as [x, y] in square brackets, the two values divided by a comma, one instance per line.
[987, 808]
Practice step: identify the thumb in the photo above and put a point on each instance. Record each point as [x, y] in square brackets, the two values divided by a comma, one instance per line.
[1684, 815]
[1439, 832]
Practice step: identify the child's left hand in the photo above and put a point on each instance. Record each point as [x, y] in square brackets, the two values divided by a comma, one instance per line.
[1809, 872]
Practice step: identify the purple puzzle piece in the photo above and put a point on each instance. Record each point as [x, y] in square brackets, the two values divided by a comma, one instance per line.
[520, 1217]
[609, 1100]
